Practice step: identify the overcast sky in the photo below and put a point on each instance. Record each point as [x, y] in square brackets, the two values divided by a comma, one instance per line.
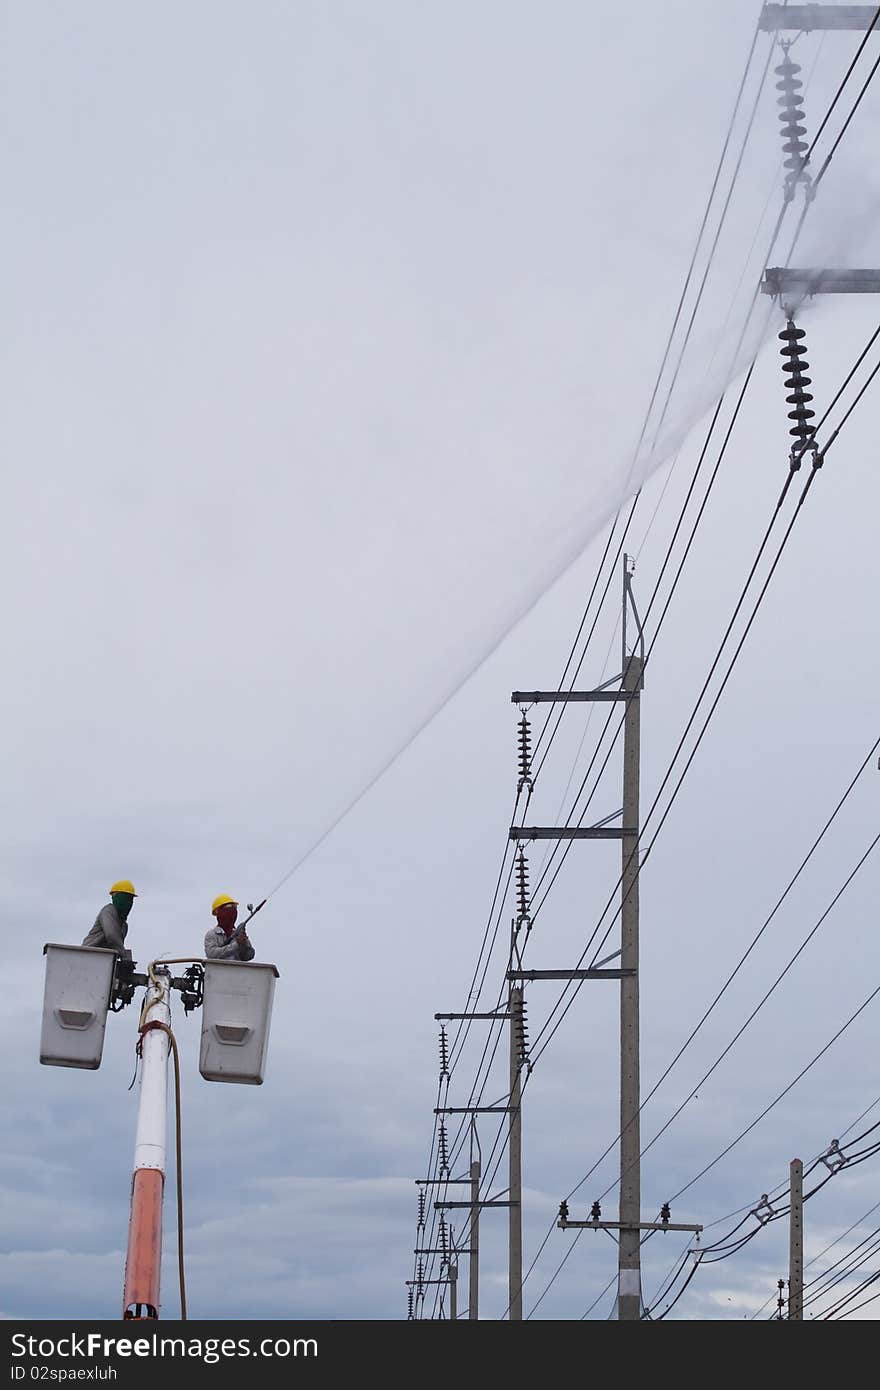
[329, 332]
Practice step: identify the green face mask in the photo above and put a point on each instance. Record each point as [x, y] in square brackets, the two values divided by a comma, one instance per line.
[123, 903]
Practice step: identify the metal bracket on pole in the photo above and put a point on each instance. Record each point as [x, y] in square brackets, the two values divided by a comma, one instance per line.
[834, 1157]
[764, 1211]
[782, 282]
[571, 697]
[472, 1110]
[500, 1017]
[125, 982]
[435, 1182]
[564, 1224]
[629, 603]
[807, 18]
[444, 1206]
[569, 974]
[569, 832]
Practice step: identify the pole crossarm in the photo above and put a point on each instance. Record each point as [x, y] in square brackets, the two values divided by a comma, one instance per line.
[569, 697]
[472, 1109]
[782, 281]
[806, 18]
[499, 1016]
[489, 1202]
[435, 1182]
[570, 974]
[564, 1224]
[569, 832]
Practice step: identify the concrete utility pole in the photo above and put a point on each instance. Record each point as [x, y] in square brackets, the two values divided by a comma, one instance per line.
[474, 1283]
[515, 1155]
[475, 1204]
[453, 1290]
[629, 1263]
[143, 1261]
[630, 1224]
[796, 1243]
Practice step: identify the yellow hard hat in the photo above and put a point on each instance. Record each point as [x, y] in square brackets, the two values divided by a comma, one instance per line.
[223, 900]
[123, 885]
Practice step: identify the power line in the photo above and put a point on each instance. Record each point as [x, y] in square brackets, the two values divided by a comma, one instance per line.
[844, 1268]
[779, 978]
[800, 1074]
[845, 127]
[850, 1162]
[668, 346]
[736, 653]
[756, 938]
[673, 329]
[832, 1313]
[864, 1304]
[828, 1247]
[731, 1244]
[852, 407]
[612, 1280]
[819, 458]
[839, 91]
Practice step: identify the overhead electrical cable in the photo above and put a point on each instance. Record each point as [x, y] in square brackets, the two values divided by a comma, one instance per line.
[574, 990]
[851, 407]
[537, 1055]
[666, 352]
[781, 1096]
[839, 93]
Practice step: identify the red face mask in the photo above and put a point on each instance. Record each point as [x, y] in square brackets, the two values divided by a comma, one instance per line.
[226, 917]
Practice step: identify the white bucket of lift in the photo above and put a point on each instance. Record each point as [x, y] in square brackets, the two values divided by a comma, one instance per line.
[236, 1013]
[75, 1001]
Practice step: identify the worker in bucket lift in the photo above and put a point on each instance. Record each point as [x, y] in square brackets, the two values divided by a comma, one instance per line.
[111, 923]
[226, 941]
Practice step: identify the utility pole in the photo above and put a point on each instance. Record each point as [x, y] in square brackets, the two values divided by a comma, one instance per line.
[143, 1261]
[517, 1050]
[629, 1291]
[474, 1282]
[474, 1206]
[796, 1242]
[448, 1252]
[628, 690]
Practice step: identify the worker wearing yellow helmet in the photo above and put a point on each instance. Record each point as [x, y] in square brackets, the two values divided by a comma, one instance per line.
[111, 923]
[225, 941]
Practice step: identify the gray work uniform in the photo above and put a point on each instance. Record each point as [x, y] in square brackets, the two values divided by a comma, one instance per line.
[109, 931]
[218, 946]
